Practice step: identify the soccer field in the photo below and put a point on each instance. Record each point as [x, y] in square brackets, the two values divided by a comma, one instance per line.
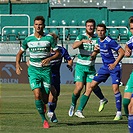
[19, 115]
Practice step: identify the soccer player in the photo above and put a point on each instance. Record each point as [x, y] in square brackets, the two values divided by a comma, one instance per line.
[128, 92]
[55, 90]
[85, 68]
[128, 49]
[130, 116]
[130, 33]
[39, 71]
[111, 53]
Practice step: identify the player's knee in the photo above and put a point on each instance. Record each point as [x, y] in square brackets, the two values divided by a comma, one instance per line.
[130, 108]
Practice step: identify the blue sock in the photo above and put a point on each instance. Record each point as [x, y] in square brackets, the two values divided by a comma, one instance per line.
[118, 100]
[51, 106]
[130, 123]
[98, 93]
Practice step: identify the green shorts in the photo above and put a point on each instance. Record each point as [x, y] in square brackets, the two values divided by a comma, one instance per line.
[129, 85]
[84, 73]
[39, 77]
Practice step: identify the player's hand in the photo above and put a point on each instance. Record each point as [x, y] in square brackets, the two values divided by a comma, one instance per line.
[128, 53]
[18, 70]
[45, 62]
[97, 49]
[70, 68]
[111, 66]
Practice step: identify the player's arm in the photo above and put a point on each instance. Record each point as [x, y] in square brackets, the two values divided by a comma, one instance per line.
[128, 51]
[47, 60]
[119, 58]
[95, 52]
[18, 58]
[68, 58]
[70, 64]
[54, 36]
[78, 43]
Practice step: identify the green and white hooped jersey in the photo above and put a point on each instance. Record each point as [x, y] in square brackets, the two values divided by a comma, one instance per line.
[86, 49]
[39, 48]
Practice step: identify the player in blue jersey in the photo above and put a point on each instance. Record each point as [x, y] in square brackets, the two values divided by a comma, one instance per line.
[128, 92]
[111, 53]
[128, 49]
[39, 70]
[55, 90]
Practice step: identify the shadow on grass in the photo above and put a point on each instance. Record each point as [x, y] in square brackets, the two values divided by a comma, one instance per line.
[90, 123]
[87, 122]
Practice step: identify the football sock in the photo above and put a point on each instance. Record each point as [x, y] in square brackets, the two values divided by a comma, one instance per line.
[125, 105]
[97, 91]
[130, 123]
[51, 106]
[74, 99]
[40, 107]
[118, 101]
[83, 102]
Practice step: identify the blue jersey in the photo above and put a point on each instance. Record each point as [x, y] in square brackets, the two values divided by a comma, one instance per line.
[55, 67]
[130, 43]
[55, 64]
[108, 50]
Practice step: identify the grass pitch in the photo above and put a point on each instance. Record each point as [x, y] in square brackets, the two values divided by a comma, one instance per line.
[19, 115]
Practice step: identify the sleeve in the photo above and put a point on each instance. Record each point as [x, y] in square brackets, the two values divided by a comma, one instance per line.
[130, 43]
[66, 55]
[114, 45]
[24, 45]
[79, 38]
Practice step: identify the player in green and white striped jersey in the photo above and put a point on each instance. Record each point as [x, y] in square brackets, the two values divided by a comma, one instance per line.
[85, 69]
[39, 71]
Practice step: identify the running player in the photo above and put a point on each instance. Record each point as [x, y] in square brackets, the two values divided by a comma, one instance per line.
[39, 71]
[111, 53]
[85, 68]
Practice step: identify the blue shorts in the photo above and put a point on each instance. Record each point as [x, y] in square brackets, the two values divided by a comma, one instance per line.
[132, 95]
[104, 73]
[56, 83]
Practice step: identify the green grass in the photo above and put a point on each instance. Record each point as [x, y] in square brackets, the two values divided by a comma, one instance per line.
[19, 115]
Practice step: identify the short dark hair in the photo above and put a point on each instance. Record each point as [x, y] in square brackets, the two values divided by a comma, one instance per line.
[39, 18]
[102, 25]
[130, 19]
[91, 21]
